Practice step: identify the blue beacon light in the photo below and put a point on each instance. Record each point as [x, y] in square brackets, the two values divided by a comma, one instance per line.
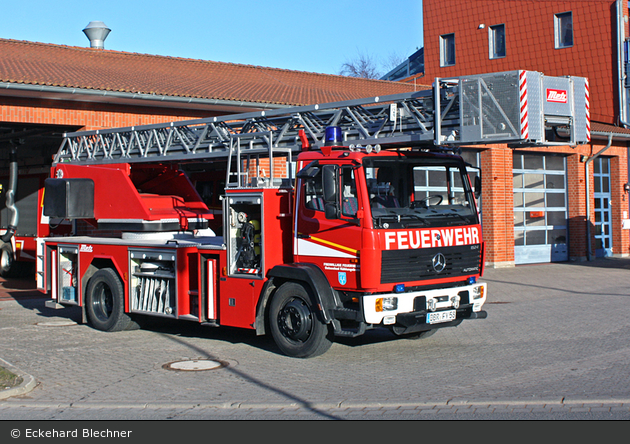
[333, 136]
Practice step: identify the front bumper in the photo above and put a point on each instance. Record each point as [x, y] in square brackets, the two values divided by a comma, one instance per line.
[410, 309]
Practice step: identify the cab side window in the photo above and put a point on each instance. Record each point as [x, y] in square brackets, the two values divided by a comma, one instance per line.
[349, 204]
[313, 192]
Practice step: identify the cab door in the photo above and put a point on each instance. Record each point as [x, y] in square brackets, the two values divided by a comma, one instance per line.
[328, 222]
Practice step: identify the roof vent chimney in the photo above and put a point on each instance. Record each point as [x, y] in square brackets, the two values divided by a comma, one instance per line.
[97, 32]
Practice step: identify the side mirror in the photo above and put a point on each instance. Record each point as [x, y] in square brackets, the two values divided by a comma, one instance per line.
[477, 187]
[330, 185]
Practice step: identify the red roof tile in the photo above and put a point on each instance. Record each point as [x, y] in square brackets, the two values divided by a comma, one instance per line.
[76, 67]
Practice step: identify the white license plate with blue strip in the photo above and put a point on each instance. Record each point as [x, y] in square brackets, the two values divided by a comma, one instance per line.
[441, 316]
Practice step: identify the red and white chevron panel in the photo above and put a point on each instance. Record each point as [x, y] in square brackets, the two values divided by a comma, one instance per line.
[588, 110]
[523, 96]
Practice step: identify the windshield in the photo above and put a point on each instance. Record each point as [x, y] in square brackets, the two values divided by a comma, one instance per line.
[416, 192]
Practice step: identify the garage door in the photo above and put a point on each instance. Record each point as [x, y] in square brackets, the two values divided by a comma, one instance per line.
[540, 208]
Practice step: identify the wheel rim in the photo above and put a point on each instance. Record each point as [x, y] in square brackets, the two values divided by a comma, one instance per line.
[5, 260]
[295, 320]
[103, 302]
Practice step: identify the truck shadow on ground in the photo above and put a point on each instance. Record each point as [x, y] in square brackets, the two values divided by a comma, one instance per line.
[24, 293]
[234, 335]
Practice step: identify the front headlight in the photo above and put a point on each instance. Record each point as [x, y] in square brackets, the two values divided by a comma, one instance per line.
[478, 292]
[386, 304]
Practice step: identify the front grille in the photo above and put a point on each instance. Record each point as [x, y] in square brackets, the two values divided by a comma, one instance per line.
[417, 264]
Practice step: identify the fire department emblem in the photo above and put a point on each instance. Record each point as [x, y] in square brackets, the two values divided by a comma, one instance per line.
[342, 277]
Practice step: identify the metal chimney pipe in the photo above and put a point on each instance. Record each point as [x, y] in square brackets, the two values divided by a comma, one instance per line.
[97, 32]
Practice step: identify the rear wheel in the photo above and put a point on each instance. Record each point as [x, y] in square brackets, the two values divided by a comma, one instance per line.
[6, 260]
[105, 302]
[295, 327]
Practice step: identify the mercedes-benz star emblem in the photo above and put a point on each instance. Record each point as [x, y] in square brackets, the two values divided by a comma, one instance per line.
[439, 262]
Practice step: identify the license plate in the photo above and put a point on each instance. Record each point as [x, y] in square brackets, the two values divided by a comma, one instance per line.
[441, 316]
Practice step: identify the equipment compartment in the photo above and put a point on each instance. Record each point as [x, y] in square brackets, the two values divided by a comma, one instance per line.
[67, 273]
[244, 235]
[152, 283]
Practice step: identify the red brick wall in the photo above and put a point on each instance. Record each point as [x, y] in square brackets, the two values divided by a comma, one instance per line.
[498, 205]
[87, 116]
[576, 190]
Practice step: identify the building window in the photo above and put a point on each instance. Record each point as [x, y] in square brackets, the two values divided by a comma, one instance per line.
[563, 29]
[447, 50]
[496, 41]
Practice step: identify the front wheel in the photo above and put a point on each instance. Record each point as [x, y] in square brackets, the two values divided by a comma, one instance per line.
[295, 327]
[105, 302]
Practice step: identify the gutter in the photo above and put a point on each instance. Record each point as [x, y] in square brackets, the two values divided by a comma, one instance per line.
[118, 95]
[606, 135]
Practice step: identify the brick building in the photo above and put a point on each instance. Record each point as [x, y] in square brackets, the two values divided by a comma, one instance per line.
[556, 203]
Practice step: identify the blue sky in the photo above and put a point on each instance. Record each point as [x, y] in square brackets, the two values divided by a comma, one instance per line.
[314, 36]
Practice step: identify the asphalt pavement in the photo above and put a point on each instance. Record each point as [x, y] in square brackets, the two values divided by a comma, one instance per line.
[554, 346]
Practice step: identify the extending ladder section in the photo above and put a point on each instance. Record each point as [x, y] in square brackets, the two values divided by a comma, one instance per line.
[516, 107]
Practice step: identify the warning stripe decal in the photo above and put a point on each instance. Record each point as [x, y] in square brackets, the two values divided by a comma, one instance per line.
[523, 96]
[588, 110]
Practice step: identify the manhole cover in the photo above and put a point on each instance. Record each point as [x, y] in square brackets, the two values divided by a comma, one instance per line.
[56, 323]
[195, 365]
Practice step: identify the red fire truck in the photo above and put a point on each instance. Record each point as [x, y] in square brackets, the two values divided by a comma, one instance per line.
[20, 218]
[335, 218]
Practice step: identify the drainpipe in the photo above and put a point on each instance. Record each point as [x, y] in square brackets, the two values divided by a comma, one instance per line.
[10, 199]
[588, 196]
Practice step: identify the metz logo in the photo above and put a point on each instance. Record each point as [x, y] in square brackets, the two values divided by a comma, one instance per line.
[85, 248]
[557, 96]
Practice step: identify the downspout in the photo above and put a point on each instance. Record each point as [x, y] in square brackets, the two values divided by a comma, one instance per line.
[621, 66]
[10, 199]
[588, 196]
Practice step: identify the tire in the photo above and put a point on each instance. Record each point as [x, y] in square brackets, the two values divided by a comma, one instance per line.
[295, 327]
[105, 302]
[7, 264]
